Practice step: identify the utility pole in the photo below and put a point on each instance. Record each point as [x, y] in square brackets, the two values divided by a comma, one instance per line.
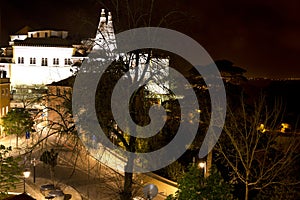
[33, 161]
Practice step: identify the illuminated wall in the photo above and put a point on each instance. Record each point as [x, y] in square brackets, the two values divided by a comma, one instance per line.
[40, 65]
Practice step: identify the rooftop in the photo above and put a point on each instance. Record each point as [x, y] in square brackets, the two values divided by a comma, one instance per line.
[45, 42]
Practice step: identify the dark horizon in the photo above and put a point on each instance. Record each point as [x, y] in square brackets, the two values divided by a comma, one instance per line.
[261, 37]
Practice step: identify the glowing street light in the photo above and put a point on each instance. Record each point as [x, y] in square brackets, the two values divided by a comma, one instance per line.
[26, 174]
[202, 165]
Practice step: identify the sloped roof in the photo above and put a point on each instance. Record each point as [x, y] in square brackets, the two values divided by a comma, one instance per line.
[22, 196]
[24, 30]
[69, 82]
[47, 42]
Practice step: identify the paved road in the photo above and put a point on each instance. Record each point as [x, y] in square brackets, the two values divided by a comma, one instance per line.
[91, 179]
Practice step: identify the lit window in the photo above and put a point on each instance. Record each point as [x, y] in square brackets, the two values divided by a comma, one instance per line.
[44, 62]
[32, 61]
[21, 60]
[285, 127]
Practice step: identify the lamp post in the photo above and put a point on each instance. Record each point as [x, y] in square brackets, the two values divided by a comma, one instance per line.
[26, 174]
[33, 162]
[202, 165]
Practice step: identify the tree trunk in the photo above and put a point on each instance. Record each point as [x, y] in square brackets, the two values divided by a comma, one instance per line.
[208, 163]
[52, 174]
[246, 191]
[17, 140]
[127, 192]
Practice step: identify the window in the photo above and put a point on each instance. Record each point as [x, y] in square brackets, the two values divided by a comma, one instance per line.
[46, 35]
[32, 61]
[21, 60]
[38, 35]
[55, 61]
[68, 61]
[58, 91]
[44, 61]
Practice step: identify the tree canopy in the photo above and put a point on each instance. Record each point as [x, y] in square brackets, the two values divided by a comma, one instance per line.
[16, 122]
[194, 186]
[9, 170]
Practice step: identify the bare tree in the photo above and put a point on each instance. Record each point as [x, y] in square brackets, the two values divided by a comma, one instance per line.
[132, 14]
[251, 150]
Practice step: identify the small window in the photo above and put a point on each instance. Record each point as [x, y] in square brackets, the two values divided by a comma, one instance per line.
[32, 61]
[55, 61]
[68, 61]
[21, 60]
[44, 61]
[46, 35]
[38, 35]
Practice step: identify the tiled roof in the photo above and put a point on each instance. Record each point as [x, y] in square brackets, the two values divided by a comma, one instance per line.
[46, 42]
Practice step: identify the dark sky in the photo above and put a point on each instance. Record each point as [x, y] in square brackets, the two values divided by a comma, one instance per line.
[262, 37]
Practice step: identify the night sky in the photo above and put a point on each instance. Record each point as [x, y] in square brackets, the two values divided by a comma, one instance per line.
[262, 37]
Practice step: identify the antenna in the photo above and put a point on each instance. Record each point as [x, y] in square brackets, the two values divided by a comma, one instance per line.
[150, 191]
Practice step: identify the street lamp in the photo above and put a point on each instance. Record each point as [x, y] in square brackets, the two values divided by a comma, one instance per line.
[26, 174]
[33, 161]
[202, 165]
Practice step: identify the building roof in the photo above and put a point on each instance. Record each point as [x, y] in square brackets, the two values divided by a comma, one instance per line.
[24, 30]
[22, 196]
[46, 42]
[68, 82]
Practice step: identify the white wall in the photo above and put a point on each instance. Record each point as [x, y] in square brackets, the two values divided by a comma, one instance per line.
[35, 73]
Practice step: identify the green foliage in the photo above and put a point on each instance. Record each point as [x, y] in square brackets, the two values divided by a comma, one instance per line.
[16, 122]
[9, 170]
[193, 186]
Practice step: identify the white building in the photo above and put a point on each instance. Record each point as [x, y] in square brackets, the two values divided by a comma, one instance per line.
[36, 58]
[40, 57]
